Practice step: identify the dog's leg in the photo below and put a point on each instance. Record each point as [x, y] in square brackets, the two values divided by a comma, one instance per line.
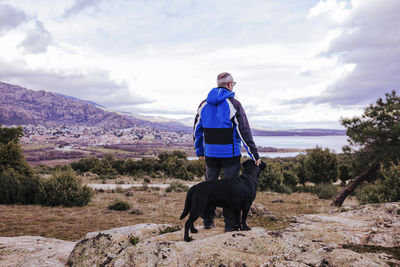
[237, 219]
[195, 213]
[190, 225]
[192, 229]
[243, 225]
[186, 236]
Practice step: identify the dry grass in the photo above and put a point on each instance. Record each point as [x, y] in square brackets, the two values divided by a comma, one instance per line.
[157, 207]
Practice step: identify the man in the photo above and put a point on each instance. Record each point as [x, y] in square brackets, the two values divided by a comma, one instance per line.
[220, 127]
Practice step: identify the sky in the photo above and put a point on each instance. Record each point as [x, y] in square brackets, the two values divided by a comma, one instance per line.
[298, 64]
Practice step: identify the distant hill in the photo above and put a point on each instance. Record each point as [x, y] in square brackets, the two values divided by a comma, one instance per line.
[21, 106]
[298, 132]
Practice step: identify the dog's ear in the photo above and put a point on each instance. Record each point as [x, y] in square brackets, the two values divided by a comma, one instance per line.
[263, 165]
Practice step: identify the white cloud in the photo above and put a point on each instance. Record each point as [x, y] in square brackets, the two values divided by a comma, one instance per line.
[369, 45]
[80, 5]
[337, 11]
[157, 57]
[11, 17]
[37, 40]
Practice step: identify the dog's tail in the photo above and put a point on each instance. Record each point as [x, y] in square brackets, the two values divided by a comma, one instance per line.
[188, 204]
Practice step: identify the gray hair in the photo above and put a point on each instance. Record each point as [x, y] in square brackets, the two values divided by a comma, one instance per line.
[224, 78]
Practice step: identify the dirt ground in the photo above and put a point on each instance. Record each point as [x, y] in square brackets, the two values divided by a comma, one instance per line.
[148, 206]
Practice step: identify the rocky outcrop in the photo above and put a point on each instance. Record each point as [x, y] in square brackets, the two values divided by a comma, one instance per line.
[311, 240]
[359, 236]
[34, 251]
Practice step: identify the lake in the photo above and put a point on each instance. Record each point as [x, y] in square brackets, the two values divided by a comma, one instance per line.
[333, 142]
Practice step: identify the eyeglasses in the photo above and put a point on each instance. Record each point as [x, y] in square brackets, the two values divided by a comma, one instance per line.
[234, 83]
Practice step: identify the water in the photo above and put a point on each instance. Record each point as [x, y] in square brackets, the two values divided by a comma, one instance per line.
[333, 142]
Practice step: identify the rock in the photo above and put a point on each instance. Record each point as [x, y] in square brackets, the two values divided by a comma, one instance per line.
[34, 251]
[311, 240]
[100, 248]
[365, 225]
[361, 236]
[259, 210]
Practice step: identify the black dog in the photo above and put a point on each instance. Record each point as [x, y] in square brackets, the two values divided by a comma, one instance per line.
[236, 193]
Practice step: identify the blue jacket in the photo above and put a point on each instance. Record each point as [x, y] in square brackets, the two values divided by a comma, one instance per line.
[221, 125]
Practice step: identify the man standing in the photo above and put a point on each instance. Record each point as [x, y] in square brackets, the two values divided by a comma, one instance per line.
[220, 127]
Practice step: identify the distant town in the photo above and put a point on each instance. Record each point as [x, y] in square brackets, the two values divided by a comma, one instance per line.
[52, 145]
[80, 136]
[60, 145]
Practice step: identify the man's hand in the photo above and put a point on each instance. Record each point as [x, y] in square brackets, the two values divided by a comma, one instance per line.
[257, 162]
[202, 157]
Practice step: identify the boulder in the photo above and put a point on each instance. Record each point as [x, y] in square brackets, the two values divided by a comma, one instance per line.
[310, 240]
[34, 251]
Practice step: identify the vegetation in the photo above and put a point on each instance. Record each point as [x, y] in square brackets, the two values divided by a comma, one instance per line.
[325, 191]
[18, 181]
[66, 189]
[271, 179]
[120, 205]
[133, 240]
[177, 187]
[170, 229]
[386, 189]
[320, 166]
[374, 141]
[168, 164]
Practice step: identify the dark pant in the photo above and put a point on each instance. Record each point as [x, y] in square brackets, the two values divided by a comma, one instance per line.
[230, 168]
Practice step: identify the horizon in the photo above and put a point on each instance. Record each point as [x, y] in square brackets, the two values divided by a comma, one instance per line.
[299, 65]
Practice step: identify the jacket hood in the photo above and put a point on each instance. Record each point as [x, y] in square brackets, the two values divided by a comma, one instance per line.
[219, 94]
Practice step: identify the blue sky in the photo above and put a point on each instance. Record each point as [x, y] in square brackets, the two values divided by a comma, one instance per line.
[298, 64]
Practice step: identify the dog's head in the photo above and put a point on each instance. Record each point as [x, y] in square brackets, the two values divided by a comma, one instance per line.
[250, 168]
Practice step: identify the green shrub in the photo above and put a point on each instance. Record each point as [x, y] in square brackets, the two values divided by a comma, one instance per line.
[177, 187]
[157, 174]
[321, 166]
[183, 174]
[170, 229]
[290, 179]
[42, 169]
[66, 189]
[18, 181]
[133, 240]
[197, 167]
[120, 205]
[104, 169]
[85, 164]
[386, 189]
[10, 186]
[271, 179]
[326, 191]
[299, 168]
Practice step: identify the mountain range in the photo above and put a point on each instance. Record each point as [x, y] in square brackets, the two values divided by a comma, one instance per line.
[21, 106]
